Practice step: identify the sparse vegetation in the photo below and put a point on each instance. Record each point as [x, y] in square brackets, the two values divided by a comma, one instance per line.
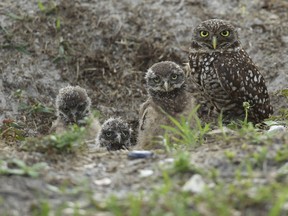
[106, 48]
[19, 167]
[181, 133]
[11, 131]
[66, 142]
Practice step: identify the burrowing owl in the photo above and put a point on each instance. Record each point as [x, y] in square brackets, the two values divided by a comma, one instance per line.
[167, 96]
[72, 106]
[225, 74]
[115, 134]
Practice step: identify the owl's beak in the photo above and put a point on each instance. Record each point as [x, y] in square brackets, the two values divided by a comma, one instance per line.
[214, 42]
[119, 137]
[74, 118]
[166, 86]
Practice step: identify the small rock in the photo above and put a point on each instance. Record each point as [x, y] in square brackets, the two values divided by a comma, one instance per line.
[195, 184]
[285, 206]
[285, 39]
[103, 182]
[224, 130]
[89, 166]
[276, 129]
[53, 188]
[283, 170]
[145, 173]
[71, 211]
[166, 161]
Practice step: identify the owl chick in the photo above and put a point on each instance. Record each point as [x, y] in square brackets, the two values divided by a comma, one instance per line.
[72, 106]
[225, 74]
[115, 134]
[167, 96]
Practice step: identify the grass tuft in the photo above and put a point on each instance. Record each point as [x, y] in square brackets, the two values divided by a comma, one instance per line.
[19, 167]
[182, 133]
[68, 142]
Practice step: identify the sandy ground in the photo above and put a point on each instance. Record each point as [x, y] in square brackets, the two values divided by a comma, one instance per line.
[106, 47]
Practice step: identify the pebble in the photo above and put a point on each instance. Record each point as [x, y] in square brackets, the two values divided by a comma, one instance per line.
[103, 182]
[145, 173]
[276, 129]
[195, 184]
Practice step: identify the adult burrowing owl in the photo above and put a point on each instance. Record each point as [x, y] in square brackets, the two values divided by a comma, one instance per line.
[167, 96]
[225, 74]
[72, 106]
[115, 134]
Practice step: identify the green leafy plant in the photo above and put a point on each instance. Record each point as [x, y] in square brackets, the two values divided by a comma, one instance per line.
[58, 23]
[47, 9]
[36, 107]
[279, 203]
[19, 167]
[242, 123]
[11, 131]
[41, 209]
[62, 50]
[69, 141]
[182, 162]
[284, 92]
[230, 154]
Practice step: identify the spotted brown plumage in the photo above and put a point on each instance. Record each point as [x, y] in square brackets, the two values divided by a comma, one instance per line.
[167, 96]
[225, 74]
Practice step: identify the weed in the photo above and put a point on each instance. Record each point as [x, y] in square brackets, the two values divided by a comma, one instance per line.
[58, 24]
[114, 207]
[279, 202]
[182, 133]
[10, 44]
[18, 93]
[23, 48]
[41, 209]
[230, 155]
[182, 162]
[247, 107]
[51, 8]
[282, 154]
[19, 167]
[283, 92]
[36, 107]
[260, 156]
[11, 131]
[15, 17]
[62, 50]
[68, 142]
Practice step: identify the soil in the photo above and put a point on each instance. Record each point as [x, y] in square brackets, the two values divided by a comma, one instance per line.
[106, 47]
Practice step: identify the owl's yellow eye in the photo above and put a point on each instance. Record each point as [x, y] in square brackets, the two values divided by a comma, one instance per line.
[225, 33]
[204, 33]
[156, 79]
[174, 76]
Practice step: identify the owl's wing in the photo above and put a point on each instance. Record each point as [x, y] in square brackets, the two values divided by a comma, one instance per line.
[241, 79]
[143, 114]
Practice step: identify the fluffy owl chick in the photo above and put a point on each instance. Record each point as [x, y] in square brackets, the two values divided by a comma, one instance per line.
[115, 134]
[72, 106]
[166, 96]
[225, 74]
